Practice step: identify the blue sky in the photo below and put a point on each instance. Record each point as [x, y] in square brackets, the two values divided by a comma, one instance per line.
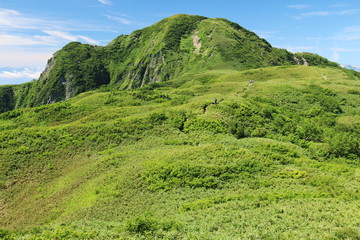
[31, 31]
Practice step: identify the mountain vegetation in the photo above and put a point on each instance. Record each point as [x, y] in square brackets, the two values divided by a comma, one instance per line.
[192, 128]
[174, 46]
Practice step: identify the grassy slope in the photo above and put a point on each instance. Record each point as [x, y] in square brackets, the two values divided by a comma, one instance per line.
[276, 159]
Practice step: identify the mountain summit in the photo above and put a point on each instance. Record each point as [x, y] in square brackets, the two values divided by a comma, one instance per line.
[174, 46]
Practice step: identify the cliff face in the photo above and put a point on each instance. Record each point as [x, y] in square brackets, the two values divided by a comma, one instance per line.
[163, 51]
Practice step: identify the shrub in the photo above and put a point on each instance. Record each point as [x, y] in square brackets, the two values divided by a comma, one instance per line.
[236, 129]
[157, 118]
[142, 225]
[347, 233]
[354, 91]
[344, 145]
[5, 234]
[166, 176]
[2, 184]
[148, 225]
[199, 124]
[295, 174]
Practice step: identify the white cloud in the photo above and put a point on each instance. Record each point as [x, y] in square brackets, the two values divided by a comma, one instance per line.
[121, 20]
[264, 34]
[69, 37]
[89, 40]
[61, 35]
[338, 52]
[335, 56]
[12, 20]
[345, 49]
[53, 38]
[106, 2]
[28, 40]
[312, 14]
[326, 13]
[11, 40]
[299, 48]
[298, 6]
[20, 58]
[340, 5]
[348, 12]
[24, 73]
[349, 34]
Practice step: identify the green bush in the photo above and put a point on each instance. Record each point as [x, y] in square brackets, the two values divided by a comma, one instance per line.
[347, 233]
[199, 124]
[344, 145]
[157, 118]
[236, 129]
[295, 174]
[194, 175]
[354, 91]
[142, 225]
[149, 225]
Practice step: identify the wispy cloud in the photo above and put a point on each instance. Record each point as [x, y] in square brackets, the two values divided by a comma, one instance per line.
[326, 13]
[12, 20]
[52, 38]
[345, 49]
[337, 52]
[17, 58]
[69, 37]
[28, 40]
[34, 28]
[120, 19]
[106, 2]
[299, 6]
[24, 73]
[335, 56]
[299, 48]
[264, 34]
[314, 38]
[312, 14]
[340, 5]
[14, 40]
[349, 34]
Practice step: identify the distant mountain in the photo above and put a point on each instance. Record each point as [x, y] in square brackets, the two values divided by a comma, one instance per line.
[351, 67]
[174, 46]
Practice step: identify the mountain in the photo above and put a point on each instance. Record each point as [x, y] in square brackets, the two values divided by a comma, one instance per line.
[275, 156]
[351, 67]
[172, 47]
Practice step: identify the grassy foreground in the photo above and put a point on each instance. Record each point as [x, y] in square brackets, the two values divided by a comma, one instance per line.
[276, 158]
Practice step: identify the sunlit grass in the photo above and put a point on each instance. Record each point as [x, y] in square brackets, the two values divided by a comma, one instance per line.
[276, 158]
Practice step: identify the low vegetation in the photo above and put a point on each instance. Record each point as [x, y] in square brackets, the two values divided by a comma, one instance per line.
[277, 157]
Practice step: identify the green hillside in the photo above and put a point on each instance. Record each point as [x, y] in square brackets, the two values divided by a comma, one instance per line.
[276, 158]
[161, 52]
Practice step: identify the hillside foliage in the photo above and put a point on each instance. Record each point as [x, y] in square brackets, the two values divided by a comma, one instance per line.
[277, 157]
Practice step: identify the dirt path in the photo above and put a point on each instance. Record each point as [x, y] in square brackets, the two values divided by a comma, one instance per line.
[251, 82]
[196, 42]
